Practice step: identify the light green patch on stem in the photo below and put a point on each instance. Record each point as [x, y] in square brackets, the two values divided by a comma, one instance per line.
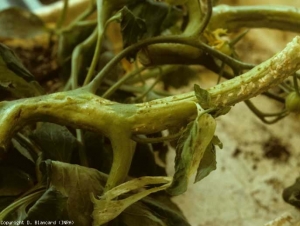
[84, 110]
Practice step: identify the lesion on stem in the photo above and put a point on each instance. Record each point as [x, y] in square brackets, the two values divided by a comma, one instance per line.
[82, 109]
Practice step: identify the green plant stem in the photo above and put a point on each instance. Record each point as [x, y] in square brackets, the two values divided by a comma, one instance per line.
[81, 149]
[149, 89]
[152, 73]
[86, 13]
[25, 200]
[206, 18]
[123, 151]
[77, 56]
[62, 15]
[138, 89]
[224, 16]
[296, 85]
[121, 81]
[95, 83]
[81, 109]
[262, 116]
[104, 11]
[261, 16]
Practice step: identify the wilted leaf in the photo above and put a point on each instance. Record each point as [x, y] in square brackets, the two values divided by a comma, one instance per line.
[14, 77]
[77, 183]
[99, 152]
[13, 181]
[107, 209]
[22, 150]
[190, 149]
[143, 162]
[222, 111]
[139, 214]
[133, 27]
[162, 206]
[20, 23]
[216, 141]
[203, 96]
[56, 142]
[16, 85]
[153, 14]
[16, 211]
[49, 207]
[207, 164]
[5, 201]
[291, 194]
[70, 38]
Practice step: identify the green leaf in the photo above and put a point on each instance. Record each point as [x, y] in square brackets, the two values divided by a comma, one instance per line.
[207, 164]
[153, 14]
[20, 23]
[49, 207]
[56, 142]
[222, 111]
[14, 77]
[203, 96]
[77, 183]
[133, 27]
[13, 181]
[190, 150]
[107, 208]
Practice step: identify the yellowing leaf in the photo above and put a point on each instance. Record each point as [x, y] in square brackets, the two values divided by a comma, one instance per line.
[106, 208]
[190, 150]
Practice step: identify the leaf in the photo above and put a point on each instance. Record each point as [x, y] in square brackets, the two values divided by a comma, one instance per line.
[163, 207]
[16, 85]
[20, 23]
[133, 27]
[107, 209]
[14, 77]
[5, 201]
[207, 164]
[139, 214]
[143, 162]
[22, 150]
[216, 141]
[203, 96]
[77, 183]
[49, 207]
[190, 150]
[153, 14]
[222, 111]
[56, 142]
[13, 181]
[99, 152]
[70, 38]
[16, 211]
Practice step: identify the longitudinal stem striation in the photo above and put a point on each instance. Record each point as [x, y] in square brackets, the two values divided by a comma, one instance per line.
[81, 109]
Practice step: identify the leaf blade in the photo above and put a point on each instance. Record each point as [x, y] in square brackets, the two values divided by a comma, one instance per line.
[190, 150]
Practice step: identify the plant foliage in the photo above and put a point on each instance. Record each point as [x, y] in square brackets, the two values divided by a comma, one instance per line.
[87, 143]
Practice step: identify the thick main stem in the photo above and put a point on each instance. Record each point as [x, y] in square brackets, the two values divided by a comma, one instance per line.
[81, 109]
